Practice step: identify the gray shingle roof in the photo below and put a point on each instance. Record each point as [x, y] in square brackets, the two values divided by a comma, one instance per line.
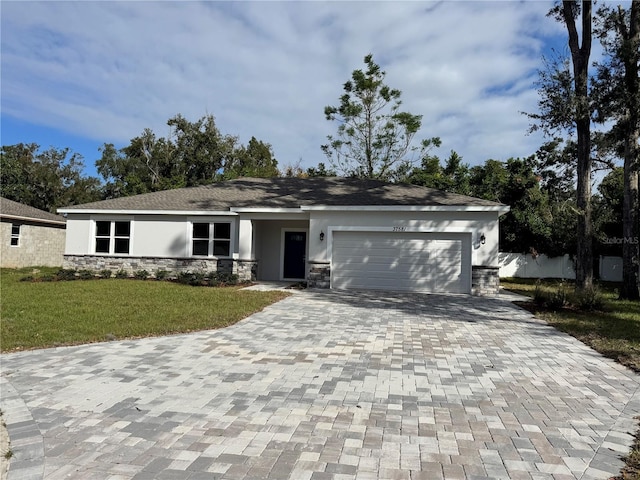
[9, 208]
[286, 193]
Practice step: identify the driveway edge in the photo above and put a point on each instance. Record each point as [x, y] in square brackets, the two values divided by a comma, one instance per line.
[27, 442]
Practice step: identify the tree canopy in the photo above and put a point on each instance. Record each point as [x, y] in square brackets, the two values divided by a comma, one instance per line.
[196, 153]
[542, 218]
[45, 179]
[374, 137]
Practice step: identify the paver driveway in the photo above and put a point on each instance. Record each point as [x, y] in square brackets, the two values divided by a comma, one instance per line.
[327, 385]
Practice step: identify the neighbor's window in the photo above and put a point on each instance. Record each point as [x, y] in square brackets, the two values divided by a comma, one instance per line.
[15, 235]
[211, 239]
[113, 236]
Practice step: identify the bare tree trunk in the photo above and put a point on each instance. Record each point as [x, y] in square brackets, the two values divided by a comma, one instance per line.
[580, 58]
[630, 215]
[630, 252]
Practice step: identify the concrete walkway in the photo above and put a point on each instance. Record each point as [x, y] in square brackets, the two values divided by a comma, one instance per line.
[327, 385]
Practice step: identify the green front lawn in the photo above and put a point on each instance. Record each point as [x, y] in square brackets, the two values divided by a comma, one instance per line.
[614, 332]
[48, 314]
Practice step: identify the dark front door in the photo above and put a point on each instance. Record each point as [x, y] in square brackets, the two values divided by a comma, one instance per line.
[295, 248]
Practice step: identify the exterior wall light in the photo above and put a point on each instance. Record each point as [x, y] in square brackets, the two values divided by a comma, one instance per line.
[483, 239]
[321, 236]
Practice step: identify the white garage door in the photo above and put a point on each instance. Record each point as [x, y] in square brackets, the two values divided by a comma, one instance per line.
[401, 261]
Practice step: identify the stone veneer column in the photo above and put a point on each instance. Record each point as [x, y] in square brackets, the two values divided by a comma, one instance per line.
[247, 270]
[485, 281]
[319, 275]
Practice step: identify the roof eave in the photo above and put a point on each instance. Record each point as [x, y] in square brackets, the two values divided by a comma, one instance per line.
[298, 210]
[32, 219]
[410, 208]
[233, 211]
[98, 211]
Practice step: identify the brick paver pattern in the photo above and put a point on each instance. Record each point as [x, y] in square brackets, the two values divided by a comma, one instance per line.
[327, 385]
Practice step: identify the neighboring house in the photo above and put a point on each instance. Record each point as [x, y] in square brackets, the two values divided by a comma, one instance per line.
[30, 237]
[333, 232]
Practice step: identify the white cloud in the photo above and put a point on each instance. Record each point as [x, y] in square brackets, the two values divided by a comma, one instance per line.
[107, 70]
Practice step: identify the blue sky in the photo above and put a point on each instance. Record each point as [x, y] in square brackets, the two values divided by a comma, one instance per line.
[80, 74]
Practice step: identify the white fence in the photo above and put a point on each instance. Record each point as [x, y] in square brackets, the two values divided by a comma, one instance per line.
[525, 266]
[611, 269]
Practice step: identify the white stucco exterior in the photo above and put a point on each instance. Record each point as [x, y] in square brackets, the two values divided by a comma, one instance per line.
[404, 236]
[257, 234]
[151, 235]
[475, 223]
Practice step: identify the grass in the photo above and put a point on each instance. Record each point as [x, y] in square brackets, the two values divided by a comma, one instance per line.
[614, 332]
[49, 314]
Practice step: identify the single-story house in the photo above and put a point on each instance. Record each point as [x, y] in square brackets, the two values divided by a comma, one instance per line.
[340, 233]
[29, 236]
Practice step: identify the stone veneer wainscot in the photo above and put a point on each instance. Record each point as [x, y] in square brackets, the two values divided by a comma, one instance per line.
[245, 269]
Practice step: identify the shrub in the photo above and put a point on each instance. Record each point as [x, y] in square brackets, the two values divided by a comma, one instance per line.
[197, 279]
[161, 274]
[122, 274]
[141, 274]
[540, 295]
[28, 278]
[589, 299]
[224, 278]
[191, 278]
[106, 273]
[184, 278]
[559, 298]
[66, 274]
[85, 275]
[207, 279]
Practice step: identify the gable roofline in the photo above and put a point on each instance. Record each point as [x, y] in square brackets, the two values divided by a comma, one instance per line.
[32, 219]
[19, 211]
[284, 193]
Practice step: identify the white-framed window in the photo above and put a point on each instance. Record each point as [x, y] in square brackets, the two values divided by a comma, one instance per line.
[15, 234]
[211, 239]
[113, 237]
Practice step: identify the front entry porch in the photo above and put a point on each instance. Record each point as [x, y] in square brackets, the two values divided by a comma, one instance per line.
[280, 248]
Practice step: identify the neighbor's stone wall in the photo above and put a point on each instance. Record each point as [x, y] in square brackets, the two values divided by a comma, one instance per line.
[319, 275]
[39, 245]
[245, 269]
[485, 281]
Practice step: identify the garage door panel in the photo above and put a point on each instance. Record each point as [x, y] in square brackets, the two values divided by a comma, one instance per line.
[363, 262]
[404, 261]
[384, 283]
[415, 271]
[449, 260]
[372, 251]
[368, 243]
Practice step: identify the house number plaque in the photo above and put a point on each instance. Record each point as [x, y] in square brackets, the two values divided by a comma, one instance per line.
[399, 229]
